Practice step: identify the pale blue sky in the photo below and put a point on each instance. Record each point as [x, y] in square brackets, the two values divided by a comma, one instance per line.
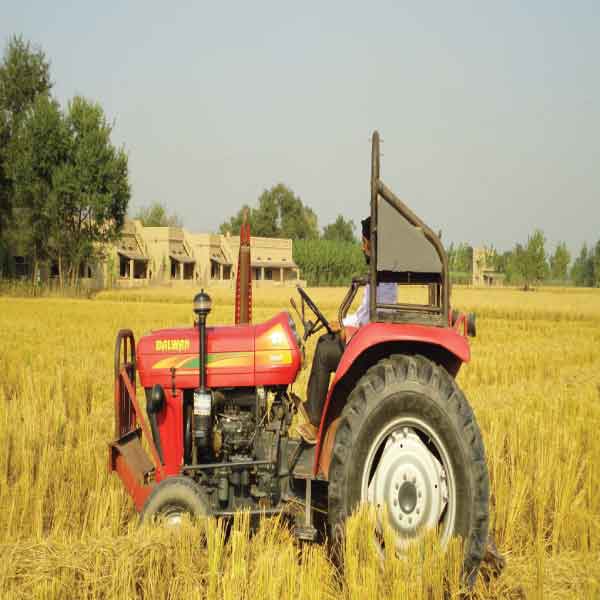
[490, 113]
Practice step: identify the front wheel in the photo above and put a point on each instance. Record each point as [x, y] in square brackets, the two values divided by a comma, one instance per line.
[409, 444]
[173, 498]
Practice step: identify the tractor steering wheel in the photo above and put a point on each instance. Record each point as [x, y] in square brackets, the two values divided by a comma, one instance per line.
[309, 327]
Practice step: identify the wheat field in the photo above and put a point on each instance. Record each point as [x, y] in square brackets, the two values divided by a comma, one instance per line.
[69, 530]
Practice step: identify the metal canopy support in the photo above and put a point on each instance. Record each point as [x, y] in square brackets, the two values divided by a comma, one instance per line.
[438, 309]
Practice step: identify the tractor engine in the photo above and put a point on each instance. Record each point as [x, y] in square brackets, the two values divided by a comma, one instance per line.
[245, 442]
[233, 433]
[218, 405]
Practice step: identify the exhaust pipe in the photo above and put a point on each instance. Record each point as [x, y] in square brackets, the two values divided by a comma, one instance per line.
[202, 396]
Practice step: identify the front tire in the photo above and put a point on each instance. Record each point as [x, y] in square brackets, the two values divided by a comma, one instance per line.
[408, 442]
[173, 498]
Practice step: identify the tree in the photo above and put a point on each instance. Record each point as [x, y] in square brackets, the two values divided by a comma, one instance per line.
[24, 75]
[340, 231]
[559, 262]
[265, 221]
[280, 213]
[530, 260]
[91, 189]
[595, 258]
[586, 268]
[37, 147]
[460, 258]
[156, 215]
[500, 261]
[5, 184]
[297, 220]
[578, 270]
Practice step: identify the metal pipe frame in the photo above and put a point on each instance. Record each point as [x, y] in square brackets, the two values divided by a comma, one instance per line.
[379, 188]
[225, 465]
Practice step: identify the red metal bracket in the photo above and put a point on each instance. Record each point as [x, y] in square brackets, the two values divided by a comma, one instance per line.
[127, 456]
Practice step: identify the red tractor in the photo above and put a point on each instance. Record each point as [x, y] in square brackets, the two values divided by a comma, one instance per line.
[396, 430]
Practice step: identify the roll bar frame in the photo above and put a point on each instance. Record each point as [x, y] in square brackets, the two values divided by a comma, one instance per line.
[438, 308]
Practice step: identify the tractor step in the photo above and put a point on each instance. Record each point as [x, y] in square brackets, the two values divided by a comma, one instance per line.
[308, 534]
[304, 528]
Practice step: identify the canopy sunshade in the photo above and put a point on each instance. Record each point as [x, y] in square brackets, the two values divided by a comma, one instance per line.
[131, 255]
[182, 258]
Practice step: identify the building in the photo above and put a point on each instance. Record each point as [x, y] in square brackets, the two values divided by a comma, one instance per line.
[145, 255]
[483, 273]
[174, 256]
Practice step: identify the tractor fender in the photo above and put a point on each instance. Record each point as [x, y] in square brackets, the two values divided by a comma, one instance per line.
[446, 341]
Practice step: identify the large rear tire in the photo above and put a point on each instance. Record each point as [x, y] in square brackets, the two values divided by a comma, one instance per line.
[408, 442]
[173, 498]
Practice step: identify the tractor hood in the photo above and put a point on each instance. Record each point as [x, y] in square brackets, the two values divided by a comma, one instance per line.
[266, 354]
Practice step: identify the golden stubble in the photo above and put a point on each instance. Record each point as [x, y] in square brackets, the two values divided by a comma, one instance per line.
[69, 530]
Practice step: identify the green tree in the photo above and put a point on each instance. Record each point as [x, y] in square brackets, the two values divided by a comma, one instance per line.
[37, 147]
[500, 261]
[156, 215]
[340, 231]
[265, 221]
[582, 272]
[595, 267]
[530, 260]
[91, 189]
[586, 268]
[297, 221]
[5, 183]
[24, 75]
[460, 258]
[559, 262]
[280, 213]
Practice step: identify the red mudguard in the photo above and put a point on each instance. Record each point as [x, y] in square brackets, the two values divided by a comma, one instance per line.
[374, 334]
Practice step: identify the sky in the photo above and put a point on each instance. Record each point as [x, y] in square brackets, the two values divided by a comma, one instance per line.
[489, 112]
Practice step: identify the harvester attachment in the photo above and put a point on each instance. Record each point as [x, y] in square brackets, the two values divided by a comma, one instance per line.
[126, 454]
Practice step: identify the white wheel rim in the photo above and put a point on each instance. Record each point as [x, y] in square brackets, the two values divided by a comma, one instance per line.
[172, 516]
[413, 481]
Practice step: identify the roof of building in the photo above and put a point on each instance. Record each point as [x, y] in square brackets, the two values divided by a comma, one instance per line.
[132, 255]
[219, 257]
[178, 252]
